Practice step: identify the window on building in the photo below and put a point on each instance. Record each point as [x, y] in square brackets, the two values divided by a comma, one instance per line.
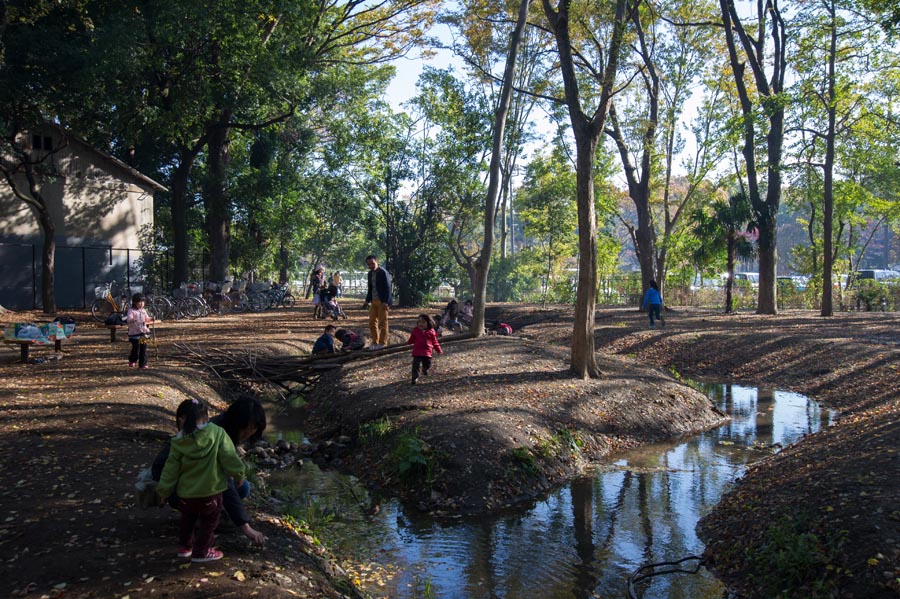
[41, 142]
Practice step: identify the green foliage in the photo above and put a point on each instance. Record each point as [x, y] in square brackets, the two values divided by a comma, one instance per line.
[571, 439]
[546, 206]
[871, 294]
[411, 459]
[512, 278]
[524, 460]
[311, 516]
[798, 559]
[376, 431]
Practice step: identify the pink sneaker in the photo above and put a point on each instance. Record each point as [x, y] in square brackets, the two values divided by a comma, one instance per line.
[211, 556]
[185, 552]
[145, 367]
[132, 364]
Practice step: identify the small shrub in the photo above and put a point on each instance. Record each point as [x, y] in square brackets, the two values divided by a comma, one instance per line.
[547, 448]
[798, 561]
[311, 517]
[571, 439]
[376, 430]
[524, 459]
[411, 459]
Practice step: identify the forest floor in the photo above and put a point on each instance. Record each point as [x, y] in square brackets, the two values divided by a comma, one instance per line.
[74, 433]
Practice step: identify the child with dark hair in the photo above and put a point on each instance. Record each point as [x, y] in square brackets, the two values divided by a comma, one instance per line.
[349, 340]
[201, 458]
[325, 343]
[424, 340]
[450, 317]
[245, 422]
[138, 331]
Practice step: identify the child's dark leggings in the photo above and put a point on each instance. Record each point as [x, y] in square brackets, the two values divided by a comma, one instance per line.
[138, 350]
[204, 513]
[654, 310]
[425, 361]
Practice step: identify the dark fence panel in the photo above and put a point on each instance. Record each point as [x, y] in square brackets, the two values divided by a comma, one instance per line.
[79, 270]
[18, 286]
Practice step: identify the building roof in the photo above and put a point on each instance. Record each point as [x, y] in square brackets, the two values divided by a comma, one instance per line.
[127, 168]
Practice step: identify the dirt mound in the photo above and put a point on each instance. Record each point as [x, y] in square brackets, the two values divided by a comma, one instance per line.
[498, 421]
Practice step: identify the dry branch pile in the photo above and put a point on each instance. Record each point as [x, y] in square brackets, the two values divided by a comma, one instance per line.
[287, 375]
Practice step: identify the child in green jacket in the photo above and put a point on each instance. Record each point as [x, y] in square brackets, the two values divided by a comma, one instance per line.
[201, 459]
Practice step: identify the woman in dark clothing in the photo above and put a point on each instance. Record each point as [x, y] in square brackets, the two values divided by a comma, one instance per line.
[244, 421]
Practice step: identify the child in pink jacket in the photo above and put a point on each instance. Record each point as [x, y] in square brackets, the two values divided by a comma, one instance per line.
[424, 341]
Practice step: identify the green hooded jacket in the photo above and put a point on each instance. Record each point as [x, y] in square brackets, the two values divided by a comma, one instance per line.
[199, 464]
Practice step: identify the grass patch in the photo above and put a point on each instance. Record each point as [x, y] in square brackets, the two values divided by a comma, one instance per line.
[799, 560]
[524, 460]
[311, 517]
[695, 385]
[376, 431]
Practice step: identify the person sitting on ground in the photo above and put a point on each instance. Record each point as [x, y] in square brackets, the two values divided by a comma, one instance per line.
[244, 421]
[466, 313]
[325, 343]
[450, 317]
[350, 341]
[501, 328]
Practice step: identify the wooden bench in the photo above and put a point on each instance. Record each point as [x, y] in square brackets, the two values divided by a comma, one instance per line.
[25, 346]
[55, 337]
[112, 330]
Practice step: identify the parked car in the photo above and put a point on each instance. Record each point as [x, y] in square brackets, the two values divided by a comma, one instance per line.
[799, 282]
[878, 274]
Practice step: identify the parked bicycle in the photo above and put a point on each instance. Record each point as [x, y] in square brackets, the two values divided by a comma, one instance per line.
[107, 302]
[216, 296]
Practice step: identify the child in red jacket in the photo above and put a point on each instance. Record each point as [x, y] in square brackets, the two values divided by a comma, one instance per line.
[424, 340]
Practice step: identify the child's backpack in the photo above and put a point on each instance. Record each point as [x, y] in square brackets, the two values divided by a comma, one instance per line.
[503, 329]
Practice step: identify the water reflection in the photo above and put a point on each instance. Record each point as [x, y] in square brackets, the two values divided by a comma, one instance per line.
[581, 541]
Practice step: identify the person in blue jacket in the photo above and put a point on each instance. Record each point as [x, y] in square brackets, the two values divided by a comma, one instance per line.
[325, 343]
[653, 303]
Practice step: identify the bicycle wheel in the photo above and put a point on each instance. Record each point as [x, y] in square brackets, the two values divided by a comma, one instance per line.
[220, 304]
[203, 308]
[238, 301]
[288, 300]
[257, 302]
[101, 309]
[159, 308]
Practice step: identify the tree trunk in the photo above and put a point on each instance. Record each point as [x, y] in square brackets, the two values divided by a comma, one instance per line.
[218, 212]
[586, 132]
[729, 268]
[483, 264]
[583, 360]
[48, 263]
[769, 90]
[768, 262]
[180, 240]
[828, 179]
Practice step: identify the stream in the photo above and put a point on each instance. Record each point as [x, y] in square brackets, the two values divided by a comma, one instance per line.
[583, 540]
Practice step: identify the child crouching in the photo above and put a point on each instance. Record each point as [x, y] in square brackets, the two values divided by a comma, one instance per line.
[201, 459]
